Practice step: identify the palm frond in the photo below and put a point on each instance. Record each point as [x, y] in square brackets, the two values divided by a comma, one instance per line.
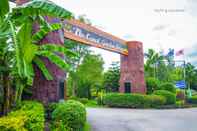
[44, 31]
[40, 64]
[42, 7]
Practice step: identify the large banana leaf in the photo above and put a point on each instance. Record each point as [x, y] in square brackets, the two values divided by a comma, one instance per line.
[4, 7]
[18, 59]
[57, 48]
[55, 59]
[43, 68]
[43, 7]
[44, 31]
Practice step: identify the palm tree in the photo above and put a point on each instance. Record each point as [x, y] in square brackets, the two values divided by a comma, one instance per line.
[19, 49]
[190, 74]
[153, 58]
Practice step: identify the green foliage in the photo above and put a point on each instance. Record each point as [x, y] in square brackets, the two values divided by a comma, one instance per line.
[168, 86]
[44, 31]
[170, 97]
[82, 100]
[30, 116]
[112, 77]
[10, 123]
[152, 59]
[89, 75]
[155, 100]
[180, 95]
[69, 116]
[19, 50]
[133, 100]
[180, 103]
[192, 100]
[152, 84]
[42, 7]
[35, 115]
[191, 76]
[4, 8]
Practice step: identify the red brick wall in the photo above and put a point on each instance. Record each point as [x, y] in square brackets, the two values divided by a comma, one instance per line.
[132, 68]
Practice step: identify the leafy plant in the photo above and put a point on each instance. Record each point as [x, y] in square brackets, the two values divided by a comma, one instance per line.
[111, 78]
[152, 84]
[170, 97]
[20, 49]
[168, 86]
[29, 117]
[71, 114]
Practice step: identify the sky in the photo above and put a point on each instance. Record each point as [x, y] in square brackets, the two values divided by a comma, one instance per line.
[158, 24]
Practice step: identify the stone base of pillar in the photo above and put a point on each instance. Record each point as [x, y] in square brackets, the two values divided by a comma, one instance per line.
[132, 69]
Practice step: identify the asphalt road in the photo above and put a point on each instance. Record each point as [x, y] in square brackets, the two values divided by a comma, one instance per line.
[107, 119]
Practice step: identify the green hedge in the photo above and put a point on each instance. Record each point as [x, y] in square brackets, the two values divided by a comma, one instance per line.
[29, 117]
[168, 86]
[155, 100]
[170, 97]
[133, 100]
[69, 116]
[192, 100]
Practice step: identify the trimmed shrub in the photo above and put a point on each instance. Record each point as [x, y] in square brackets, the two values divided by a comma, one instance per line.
[168, 87]
[180, 95]
[170, 97]
[133, 100]
[156, 100]
[192, 100]
[69, 115]
[152, 84]
[30, 117]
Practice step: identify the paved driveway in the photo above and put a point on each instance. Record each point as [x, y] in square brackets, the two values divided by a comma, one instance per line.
[106, 119]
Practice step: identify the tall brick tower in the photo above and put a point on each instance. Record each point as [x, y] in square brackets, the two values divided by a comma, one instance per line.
[132, 69]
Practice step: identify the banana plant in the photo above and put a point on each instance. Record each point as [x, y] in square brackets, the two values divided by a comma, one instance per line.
[16, 32]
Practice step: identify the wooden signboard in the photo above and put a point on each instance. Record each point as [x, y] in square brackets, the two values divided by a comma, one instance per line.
[92, 36]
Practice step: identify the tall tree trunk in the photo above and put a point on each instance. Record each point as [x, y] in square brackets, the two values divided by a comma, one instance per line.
[6, 88]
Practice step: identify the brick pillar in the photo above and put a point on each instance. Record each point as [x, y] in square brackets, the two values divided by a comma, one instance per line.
[44, 90]
[132, 68]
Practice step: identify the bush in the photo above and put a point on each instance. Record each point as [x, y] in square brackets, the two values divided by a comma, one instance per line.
[192, 100]
[180, 103]
[152, 84]
[168, 87]
[69, 115]
[10, 123]
[170, 97]
[180, 95]
[133, 100]
[156, 100]
[29, 117]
